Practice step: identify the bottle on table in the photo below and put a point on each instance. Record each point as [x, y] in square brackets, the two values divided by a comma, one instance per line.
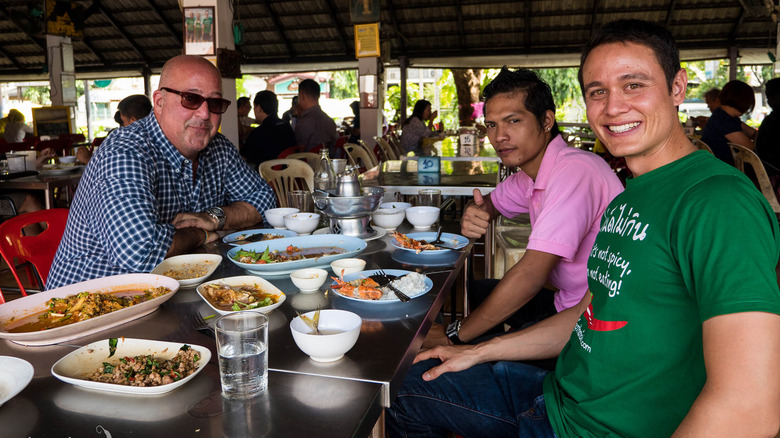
[324, 178]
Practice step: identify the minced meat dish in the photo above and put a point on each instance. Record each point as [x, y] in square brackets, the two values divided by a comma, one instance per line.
[148, 370]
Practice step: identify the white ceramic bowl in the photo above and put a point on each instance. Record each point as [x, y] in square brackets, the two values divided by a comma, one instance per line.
[341, 330]
[342, 267]
[388, 218]
[302, 223]
[395, 205]
[309, 280]
[182, 265]
[275, 216]
[68, 159]
[422, 217]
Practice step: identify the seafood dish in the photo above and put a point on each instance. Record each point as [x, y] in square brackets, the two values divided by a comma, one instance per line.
[80, 307]
[148, 370]
[416, 245]
[362, 286]
[235, 298]
[291, 253]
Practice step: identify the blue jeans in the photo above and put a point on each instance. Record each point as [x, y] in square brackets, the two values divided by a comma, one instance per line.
[502, 399]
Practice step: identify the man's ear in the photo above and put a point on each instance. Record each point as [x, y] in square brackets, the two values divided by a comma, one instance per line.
[679, 85]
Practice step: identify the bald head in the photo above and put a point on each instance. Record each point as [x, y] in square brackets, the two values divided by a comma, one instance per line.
[183, 65]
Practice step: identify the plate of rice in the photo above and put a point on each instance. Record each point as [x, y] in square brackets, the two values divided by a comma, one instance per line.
[411, 283]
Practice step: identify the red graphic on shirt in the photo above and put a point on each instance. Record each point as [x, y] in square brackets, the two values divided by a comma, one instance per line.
[599, 325]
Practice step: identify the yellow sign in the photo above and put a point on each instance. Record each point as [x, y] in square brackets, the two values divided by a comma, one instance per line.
[367, 40]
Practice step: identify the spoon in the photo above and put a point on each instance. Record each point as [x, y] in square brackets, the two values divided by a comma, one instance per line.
[438, 240]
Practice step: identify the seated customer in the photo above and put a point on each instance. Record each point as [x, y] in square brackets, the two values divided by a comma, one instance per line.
[418, 127]
[15, 128]
[736, 98]
[273, 136]
[768, 138]
[162, 185]
[564, 189]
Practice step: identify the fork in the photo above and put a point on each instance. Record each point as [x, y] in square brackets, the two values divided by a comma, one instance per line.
[200, 324]
[389, 283]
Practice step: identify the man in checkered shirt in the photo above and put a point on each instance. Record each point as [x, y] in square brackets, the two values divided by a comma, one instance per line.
[161, 186]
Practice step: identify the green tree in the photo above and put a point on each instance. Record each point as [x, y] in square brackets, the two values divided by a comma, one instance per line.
[344, 85]
[39, 95]
[393, 101]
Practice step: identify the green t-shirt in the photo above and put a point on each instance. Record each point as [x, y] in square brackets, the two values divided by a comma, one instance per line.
[688, 241]
[207, 22]
[189, 23]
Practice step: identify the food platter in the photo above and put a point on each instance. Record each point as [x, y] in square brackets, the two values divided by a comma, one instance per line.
[208, 261]
[390, 298]
[242, 280]
[15, 375]
[32, 304]
[351, 245]
[231, 238]
[409, 258]
[452, 241]
[57, 169]
[75, 366]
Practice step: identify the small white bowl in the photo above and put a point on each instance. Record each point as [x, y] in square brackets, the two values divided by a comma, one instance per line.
[388, 218]
[341, 330]
[395, 205]
[302, 223]
[309, 280]
[180, 265]
[342, 267]
[68, 159]
[422, 217]
[275, 216]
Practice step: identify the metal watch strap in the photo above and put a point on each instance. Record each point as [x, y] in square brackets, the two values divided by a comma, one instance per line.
[218, 214]
[452, 332]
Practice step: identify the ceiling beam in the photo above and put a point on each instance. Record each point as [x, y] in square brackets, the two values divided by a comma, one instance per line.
[461, 34]
[527, 23]
[338, 25]
[124, 34]
[156, 10]
[87, 43]
[37, 41]
[737, 24]
[10, 58]
[279, 28]
[670, 13]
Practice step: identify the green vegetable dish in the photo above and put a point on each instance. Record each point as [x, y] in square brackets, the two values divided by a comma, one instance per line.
[234, 298]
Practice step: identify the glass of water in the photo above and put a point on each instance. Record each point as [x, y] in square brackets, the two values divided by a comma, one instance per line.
[242, 346]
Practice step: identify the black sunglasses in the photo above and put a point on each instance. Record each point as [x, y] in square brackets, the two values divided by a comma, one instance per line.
[194, 101]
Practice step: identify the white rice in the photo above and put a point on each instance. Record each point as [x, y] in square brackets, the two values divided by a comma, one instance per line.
[411, 284]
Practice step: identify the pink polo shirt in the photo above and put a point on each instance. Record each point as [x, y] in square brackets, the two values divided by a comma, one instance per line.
[565, 203]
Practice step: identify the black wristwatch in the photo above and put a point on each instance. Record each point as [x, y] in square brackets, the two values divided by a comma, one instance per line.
[218, 214]
[452, 332]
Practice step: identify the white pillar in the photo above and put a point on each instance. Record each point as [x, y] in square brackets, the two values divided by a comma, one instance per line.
[370, 99]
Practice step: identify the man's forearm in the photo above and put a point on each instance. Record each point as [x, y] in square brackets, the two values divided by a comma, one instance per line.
[186, 239]
[240, 215]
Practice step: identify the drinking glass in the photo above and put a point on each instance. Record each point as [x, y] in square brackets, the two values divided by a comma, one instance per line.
[4, 167]
[242, 345]
[429, 197]
[300, 199]
[339, 165]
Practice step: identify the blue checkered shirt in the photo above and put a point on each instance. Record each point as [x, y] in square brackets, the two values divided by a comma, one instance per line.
[134, 185]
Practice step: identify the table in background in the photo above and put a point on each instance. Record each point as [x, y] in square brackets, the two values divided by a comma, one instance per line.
[47, 184]
[455, 178]
[343, 398]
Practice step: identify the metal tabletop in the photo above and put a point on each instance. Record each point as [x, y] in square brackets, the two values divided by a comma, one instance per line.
[343, 398]
[455, 178]
[45, 183]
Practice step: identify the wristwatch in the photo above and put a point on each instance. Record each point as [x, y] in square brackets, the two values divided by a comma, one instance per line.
[218, 214]
[452, 332]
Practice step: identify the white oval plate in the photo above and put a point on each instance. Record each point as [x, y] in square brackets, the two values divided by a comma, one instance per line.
[231, 238]
[75, 366]
[36, 303]
[389, 297]
[454, 241]
[15, 375]
[242, 280]
[210, 261]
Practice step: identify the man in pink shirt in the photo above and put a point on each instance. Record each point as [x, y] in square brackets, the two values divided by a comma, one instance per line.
[565, 191]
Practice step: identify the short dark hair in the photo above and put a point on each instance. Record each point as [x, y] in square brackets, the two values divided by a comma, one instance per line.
[538, 95]
[268, 102]
[738, 95]
[309, 87]
[772, 91]
[243, 101]
[419, 109]
[712, 94]
[135, 106]
[651, 35]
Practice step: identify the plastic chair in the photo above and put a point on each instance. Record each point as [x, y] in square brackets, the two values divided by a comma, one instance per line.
[286, 177]
[700, 144]
[310, 158]
[744, 155]
[386, 149]
[395, 142]
[290, 150]
[358, 156]
[37, 250]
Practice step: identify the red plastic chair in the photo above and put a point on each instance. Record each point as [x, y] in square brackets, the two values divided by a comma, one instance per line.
[37, 250]
[290, 150]
[60, 145]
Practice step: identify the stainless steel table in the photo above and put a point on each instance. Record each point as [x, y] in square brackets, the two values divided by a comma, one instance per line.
[455, 178]
[343, 398]
[47, 184]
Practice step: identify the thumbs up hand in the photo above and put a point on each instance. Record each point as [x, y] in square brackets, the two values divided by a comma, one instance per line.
[476, 217]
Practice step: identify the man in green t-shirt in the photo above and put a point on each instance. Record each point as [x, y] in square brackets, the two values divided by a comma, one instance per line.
[208, 22]
[680, 335]
[189, 25]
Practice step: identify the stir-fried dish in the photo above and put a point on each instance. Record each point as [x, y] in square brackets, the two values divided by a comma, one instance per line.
[188, 271]
[83, 306]
[248, 296]
[289, 254]
[148, 370]
[416, 245]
